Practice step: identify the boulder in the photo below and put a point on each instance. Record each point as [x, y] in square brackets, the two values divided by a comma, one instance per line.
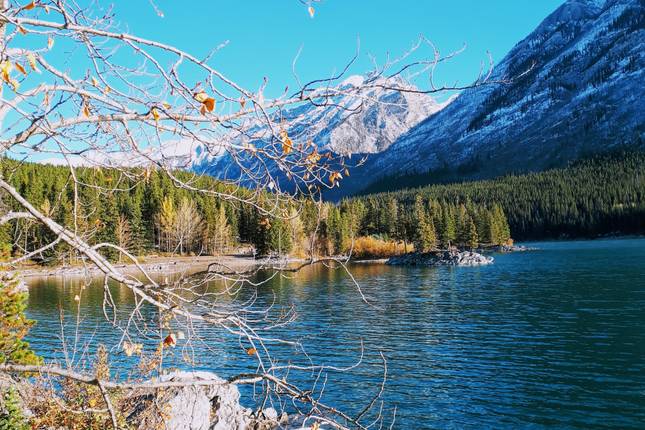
[201, 407]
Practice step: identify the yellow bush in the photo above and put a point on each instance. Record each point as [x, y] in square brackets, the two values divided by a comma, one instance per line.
[371, 247]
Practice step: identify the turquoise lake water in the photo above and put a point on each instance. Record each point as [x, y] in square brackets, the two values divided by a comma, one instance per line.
[551, 338]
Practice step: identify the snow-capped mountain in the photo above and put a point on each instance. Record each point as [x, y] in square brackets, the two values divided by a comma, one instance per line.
[365, 123]
[176, 154]
[576, 88]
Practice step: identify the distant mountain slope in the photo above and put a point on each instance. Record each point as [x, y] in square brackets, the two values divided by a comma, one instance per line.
[583, 94]
[353, 128]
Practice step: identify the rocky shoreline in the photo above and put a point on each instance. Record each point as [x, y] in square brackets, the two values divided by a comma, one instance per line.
[212, 403]
[165, 265]
[441, 258]
[170, 264]
[513, 248]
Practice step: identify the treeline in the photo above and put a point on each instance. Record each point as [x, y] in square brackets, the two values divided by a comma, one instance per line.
[144, 212]
[136, 210]
[428, 224]
[594, 197]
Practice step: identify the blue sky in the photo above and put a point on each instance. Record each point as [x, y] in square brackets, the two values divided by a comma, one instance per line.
[264, 35]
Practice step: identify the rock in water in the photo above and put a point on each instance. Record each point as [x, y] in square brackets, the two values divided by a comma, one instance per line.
[441, 258]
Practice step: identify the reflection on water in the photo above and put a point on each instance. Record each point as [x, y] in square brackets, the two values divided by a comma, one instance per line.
[551, 338]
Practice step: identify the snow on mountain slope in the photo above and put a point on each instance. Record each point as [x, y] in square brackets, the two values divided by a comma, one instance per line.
[177, 154]
[368, 124]
[583, 94]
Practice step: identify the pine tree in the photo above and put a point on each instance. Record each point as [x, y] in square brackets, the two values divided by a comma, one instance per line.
[354, 213]
[473, 239]
[462, 226]
[337, 231]
[392, 226]
[14, 325]
[448, 234]
[279, 237]
[123, 234]
[429, 235]
[418, 221]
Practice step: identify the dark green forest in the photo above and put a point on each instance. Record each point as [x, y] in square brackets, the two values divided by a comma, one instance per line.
[145, 212]
[600, 196]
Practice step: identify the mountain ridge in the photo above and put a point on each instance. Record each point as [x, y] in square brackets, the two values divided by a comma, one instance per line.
[347, 125]
[577, 91]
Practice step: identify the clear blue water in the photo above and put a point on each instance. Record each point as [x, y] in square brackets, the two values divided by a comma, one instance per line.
[552, 338]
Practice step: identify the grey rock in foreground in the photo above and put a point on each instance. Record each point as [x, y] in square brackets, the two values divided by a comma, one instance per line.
[441, 258]
[203, 407]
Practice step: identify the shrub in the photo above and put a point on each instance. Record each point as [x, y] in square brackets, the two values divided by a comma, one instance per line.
[371, 247]
[5, 251]
[53, 402]
[11, 414]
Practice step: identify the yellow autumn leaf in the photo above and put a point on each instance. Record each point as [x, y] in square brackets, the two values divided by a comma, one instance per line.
[132, 348]
[14, 84]
[155, 113]
[95, 82]
[312, 11]
[31, 58]
[21, 69]
[166, 105]
[107, 90]
[50, 42]
[314, 157]
[46, 9]
[332, 178]
[22, 30]
[287, 144]
[251, 351]
[242, 102]
[208, 103]
[127, 349]
[86, 110]
[5, 70]
[30, 6]
[200, 96]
